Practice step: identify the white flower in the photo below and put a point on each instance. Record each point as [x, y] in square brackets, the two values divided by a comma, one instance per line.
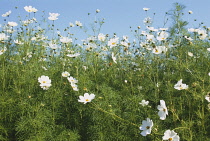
[144, 103]
[163, 111]
[114, 58]
[209, 73]
[171, 136]
[188, 38]
[207, 97]
[208, 49]
[30, 9]
[190, 12]
[180, 86]
[159, 50]
[147, 20]
[86, 98]
[53, 16]
[101, 37]
[65, 74]
[74, 87]
[146, 9]
[3, 36]
[7, 14]
[45, 82]
[73, 55]
[71, 24]
[12, 24]
[113, 42]
[65, 40]
[72, 80]
[18, 42]
[97, 10]
[162, 36]
[190, 54]
[78, 23]
[3, 50]
[146, 127]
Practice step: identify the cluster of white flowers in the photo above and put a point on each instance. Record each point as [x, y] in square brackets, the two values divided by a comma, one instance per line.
[71, 79]
[30, 9]
[7, 14]
[53, 16]
[45, 82]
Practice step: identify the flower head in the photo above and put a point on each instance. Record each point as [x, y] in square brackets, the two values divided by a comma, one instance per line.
[7, 14]
[207, 97]
[65, 40]
[163, 111]
[53, 16]
[146, 127]
[171, 136]
[144, 103]
[12, 24]
[146, 9]
[113, 42]
[86, 98]
[180, 86]
[65, 74]
[45, 82]
[78, 23]
[30, 9]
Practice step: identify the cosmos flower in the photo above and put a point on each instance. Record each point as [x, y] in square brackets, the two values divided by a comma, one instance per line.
[86, 98]
[65, 74]
[30, 9]
[114, 58]
[73, 55]
[163, 111]
[71, 24]
[159, 50]
[12, 24]
[146, 127]
[180, 86]
[170, 136]
[78, 23]
[101, 37]
[207, 97]
[113, 42]
[45, 82]
[147, 21]
[144, 103]
[3, 50]
[72, 79]
[7, 14]
[65, 40]
[190, 12]
[53, 16]
[146, 9]
[3, 36]
[162, 36]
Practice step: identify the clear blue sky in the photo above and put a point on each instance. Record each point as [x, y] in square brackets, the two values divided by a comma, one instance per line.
[119, 14]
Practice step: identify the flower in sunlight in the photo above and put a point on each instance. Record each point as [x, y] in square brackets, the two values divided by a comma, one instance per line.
[101, 37]
[45, 82]
[146, 127]
[74, 87]
[190, 54]
[65, 74]
[162, 36]
[53, 16]
[86, 98]
[78, 23]
[180, 86]
[71, 24]
[190, 12]
[147, 20]
[163, 111]
[188, 38]
[208, 49]
[18, 42]
[170, 136]
[30, 9]
[97, 10]
[72, 79]
[113, 42]
[12, 24]
[73, 55]
[144, 103]
[3, 50]
[3, 36]
[114, 58]
[146, 9]
[65, 40]
[207, 97]
[159, 50]
[7, 14]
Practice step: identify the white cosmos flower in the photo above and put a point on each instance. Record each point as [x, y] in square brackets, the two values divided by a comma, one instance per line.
[113, 42]
[159, 50]
[73, 55]
[208, 49]
[101, 37]
[162, 36]
[74, 87]
[45, 82]
[146, 9]
[65, 74]
[53, 16]
[170, 136]
[78, 23]
[3, 50]
[146, 127]
[30, 9]
[12, 24]
[65, 40]
[86, 98]
[147, 21]
[180, 86]
[3, 36]
[144, 103]
[7, 14]
[71, 24]
[207, 97]
[72, 80]
[163, 111]
[114, 58]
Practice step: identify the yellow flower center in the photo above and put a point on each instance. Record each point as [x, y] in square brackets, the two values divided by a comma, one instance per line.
[86, 99]
[170, 139]
[43, 81]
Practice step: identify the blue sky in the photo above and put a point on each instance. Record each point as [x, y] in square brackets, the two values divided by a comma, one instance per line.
[119, 14]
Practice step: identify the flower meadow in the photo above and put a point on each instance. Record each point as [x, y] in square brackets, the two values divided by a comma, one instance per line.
[56, 87]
